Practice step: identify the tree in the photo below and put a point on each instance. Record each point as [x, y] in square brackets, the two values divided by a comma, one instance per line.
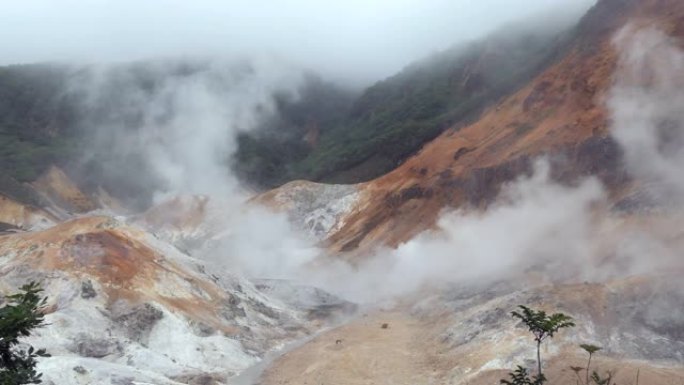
[542, 326]
[21, 314]
[591, 349]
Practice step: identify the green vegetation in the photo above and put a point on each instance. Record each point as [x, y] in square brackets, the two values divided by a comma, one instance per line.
[266, 157]
[34, 117]
[21, 314]
[520, 376]
[542, 326]
[326, 133]
[395, 117]
[25, 160]
[591, 349]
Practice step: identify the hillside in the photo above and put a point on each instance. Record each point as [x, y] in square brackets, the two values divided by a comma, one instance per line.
[36, 120]
[69, 115]
[468, 339]
[520, 170]
[392, 119]
[127, 306]
[369, 136]
[322, 132]
[587, 232]
[560, 112]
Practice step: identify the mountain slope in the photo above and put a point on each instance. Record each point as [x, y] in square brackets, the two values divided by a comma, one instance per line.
[59, 114]
[171, 318]
[561, 113]
[125, 306]
[467, 337]
[392, 119]
[623, 292]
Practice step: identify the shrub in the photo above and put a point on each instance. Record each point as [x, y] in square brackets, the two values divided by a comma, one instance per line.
[21, 314]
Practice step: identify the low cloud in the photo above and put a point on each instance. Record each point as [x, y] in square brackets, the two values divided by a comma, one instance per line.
[537, 226]
[646, 104]
[355, 41]
[558, 233]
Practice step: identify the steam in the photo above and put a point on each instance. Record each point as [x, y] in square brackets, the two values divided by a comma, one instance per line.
[186, 125]
[647, 104]
[181, 119]
[538, 227]
[557, 233]
[259, 243]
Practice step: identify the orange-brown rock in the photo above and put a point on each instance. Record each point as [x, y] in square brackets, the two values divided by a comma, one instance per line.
[561, 112]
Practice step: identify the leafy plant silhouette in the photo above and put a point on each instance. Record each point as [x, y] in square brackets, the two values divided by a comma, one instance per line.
[542, 326]
[598, 380]
[591, 349]
[576, 370]
[521, 377]
[21, 314]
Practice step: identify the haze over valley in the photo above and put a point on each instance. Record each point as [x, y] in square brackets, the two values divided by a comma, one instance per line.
[345, 192]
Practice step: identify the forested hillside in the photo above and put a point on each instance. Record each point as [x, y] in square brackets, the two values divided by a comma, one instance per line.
[325, 132]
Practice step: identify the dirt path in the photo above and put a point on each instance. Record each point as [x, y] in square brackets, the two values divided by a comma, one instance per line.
[410, 351]
[366, 353]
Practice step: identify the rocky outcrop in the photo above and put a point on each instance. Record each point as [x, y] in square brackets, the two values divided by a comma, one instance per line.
[126, 306]
[319, 209]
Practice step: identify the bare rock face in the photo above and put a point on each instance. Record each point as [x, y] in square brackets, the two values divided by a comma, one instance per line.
[136, 322]
[89, 346]
[87, 290]
[126, 307]
[319, 209]
[464, 334]
[318, 303]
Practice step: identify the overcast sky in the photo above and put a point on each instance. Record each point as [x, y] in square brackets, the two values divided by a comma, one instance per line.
[359, 39]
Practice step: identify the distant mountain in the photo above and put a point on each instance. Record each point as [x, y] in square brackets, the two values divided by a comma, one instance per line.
[392, 119]
[395, 117]
[323, 132]
[559, 113]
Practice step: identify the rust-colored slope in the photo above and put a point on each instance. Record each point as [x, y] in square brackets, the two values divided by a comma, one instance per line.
[560, 112]
[124, 262]
[115, 256]
[60, 190]
[23, 216]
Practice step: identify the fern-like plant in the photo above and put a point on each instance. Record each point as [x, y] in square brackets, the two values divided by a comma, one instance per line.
[520, 376]
[21, 314]
[591, 349]
[542, 326]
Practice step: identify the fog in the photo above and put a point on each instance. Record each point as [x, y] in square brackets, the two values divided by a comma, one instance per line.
[536, 227]
[555, 233]
[189, 121]
[646, 104]
[540, 230]
[356, 41]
